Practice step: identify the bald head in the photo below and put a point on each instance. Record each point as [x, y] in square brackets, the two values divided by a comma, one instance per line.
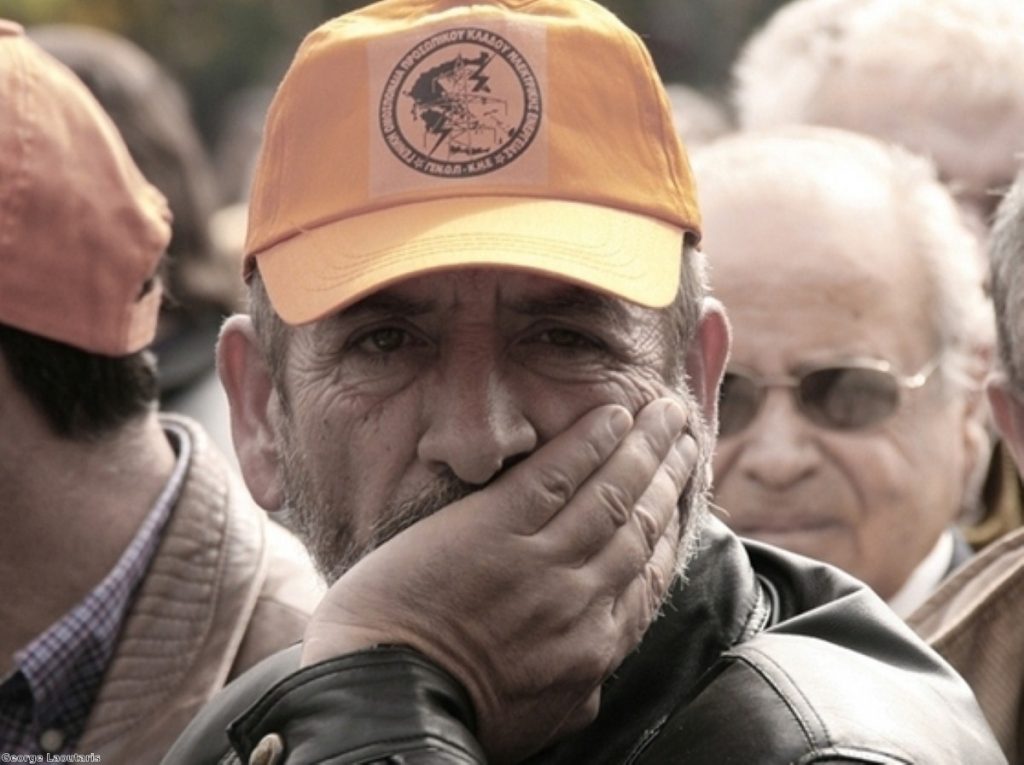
[796, 203]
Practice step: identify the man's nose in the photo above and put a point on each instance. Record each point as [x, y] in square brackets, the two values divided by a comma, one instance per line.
[778, 450]
[476, 423]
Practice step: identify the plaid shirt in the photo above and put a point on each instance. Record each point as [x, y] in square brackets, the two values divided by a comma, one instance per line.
[45, 701]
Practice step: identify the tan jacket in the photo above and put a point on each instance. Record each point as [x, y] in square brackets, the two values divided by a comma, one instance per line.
[976, 620]
[226, 588]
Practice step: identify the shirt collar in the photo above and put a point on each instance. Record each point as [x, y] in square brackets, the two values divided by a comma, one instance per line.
[925, 577]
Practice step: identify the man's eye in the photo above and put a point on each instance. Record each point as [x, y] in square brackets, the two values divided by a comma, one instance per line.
[567, 338]
[383, 340]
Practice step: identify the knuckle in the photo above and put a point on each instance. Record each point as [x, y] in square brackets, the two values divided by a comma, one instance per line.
[615, 501]
[591, 667]
[649, 530]
[555, 486]
[592, 453]
[597, 663]
[662, 497]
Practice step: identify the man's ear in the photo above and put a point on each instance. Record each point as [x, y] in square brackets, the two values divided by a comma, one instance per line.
[251, 395]
[705, 361]
[1008, 413]
[978, 440]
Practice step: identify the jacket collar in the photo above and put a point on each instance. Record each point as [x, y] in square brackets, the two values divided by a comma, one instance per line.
[189, 615]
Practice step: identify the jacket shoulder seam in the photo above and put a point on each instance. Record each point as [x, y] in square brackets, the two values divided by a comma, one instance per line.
[769, 670]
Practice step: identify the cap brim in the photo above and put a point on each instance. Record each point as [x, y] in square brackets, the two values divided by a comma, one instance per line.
[327, 268]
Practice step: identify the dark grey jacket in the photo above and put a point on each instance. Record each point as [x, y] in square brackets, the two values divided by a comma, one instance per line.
[761, 657]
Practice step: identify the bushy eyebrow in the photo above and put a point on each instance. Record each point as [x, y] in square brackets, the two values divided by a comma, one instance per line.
[389, 303]
[377, 305]
[568, 302]
[578, 303]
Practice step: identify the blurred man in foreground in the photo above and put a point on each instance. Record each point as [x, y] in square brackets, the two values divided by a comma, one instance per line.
[482, 372]
[137, 575]
[150, 110]
[974, 619]
[851, 424]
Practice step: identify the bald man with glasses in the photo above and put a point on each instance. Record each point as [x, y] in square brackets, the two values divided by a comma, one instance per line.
[851, 410]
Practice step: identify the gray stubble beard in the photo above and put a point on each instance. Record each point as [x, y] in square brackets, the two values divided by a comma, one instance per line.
[328, 533]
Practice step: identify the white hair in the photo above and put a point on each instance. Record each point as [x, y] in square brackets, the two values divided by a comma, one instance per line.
[799, 159]
[944, 78]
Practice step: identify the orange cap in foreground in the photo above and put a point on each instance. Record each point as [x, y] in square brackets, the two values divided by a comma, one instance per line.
[81, 231]
[414, 136]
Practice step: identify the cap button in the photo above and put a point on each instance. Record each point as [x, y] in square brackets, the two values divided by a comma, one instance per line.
[10, 28]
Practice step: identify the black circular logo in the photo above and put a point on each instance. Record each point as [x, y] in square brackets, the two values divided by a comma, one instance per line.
[463, 102]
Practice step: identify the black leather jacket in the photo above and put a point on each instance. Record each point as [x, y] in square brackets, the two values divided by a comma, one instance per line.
[761, 657]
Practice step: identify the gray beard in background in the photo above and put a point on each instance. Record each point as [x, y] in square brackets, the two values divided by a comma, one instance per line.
[327, 532]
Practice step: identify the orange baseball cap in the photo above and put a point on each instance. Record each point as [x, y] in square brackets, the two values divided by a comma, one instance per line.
[418, 135]
[81, 231]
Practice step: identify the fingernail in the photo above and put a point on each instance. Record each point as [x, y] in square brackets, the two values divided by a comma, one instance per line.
[619, 422]
[686, 446]
[674, 417]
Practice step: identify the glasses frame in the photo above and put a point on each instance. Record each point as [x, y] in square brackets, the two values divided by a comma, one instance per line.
[763, 383]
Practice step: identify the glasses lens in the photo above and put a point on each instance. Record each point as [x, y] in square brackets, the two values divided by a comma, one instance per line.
[848, 398]
[738, 401]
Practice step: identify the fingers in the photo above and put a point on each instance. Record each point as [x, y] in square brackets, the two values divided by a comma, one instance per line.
[639, 603]
[610, 499]
[647, 577]
[539, 488]
[625, 556]
[642, 556]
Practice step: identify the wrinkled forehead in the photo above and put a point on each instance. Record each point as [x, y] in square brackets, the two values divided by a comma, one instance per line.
[493, 291]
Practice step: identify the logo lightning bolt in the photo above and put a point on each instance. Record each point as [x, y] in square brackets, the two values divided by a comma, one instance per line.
[479, 78]
[481, 81]
[442, 134]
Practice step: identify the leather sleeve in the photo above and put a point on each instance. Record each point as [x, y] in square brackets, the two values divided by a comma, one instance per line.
[365, 707]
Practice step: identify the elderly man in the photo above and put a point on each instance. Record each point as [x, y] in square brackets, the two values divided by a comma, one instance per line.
[137, 575]
[480, 374]
[850, 428]
[943, 78]
[973, 619]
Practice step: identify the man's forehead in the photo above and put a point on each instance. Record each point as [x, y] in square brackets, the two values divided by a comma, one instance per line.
[502, 289]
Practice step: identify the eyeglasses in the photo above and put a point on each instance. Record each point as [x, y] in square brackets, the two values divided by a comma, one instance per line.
[840, 397]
